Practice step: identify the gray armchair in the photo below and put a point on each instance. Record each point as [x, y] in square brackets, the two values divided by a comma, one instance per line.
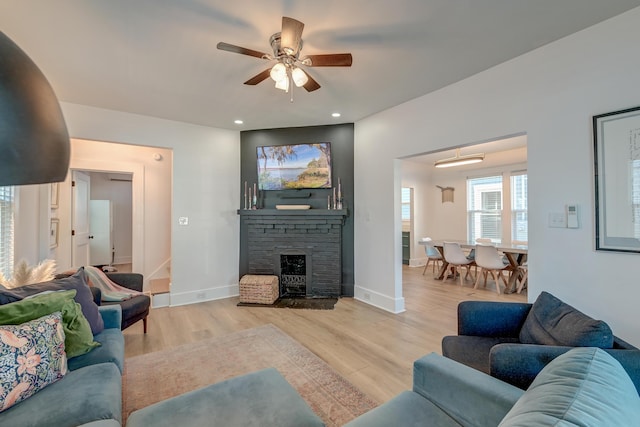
[514, 341]
[133, 309]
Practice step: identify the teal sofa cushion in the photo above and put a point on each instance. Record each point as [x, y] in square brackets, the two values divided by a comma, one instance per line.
[82, 396]
[583, 387]
[259, 399]
[406, 409]
[554, 322]
[110, 350]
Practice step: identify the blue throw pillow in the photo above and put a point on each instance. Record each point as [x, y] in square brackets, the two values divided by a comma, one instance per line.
[553, 322]
[84, 297]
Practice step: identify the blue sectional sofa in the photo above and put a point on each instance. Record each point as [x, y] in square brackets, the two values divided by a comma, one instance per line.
[583, 387]
[90, 394]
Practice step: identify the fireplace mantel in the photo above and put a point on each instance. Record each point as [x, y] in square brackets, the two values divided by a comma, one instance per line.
[294, 212]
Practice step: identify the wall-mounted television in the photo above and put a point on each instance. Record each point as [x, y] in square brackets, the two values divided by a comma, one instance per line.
[295, 166]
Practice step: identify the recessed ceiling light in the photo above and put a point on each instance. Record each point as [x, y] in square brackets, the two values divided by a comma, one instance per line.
[335, 115]
[238, 122]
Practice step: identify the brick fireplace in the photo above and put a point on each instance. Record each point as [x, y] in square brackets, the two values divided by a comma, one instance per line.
[303, 248]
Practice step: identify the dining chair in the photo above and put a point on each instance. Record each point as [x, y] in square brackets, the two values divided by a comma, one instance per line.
[433, 255]
[457, 259]
[472, 252]
[490, 262]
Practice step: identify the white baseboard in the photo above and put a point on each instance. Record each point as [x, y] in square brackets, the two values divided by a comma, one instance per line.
[376, 299]
[161, 300]
[417, 262]
[122, 260]
[201, 295]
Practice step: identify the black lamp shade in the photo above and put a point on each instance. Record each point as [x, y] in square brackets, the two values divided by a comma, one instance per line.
[34, 142]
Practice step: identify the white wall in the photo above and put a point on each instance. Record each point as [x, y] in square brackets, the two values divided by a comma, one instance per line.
[550, 94]
[206, 179]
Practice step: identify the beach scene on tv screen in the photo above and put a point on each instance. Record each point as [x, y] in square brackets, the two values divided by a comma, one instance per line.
[282, 167]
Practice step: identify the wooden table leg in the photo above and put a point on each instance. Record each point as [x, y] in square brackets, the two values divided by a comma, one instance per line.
[515, 260]
[445, 265]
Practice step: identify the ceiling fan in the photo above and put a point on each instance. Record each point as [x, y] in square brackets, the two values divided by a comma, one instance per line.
[286, 46]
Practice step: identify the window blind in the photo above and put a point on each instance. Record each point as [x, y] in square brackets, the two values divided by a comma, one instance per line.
[484, 208]
[406, 203]
[6, 230]
[519, 206]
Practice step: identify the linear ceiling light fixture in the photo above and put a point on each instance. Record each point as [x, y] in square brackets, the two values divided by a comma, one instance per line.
[459, 160]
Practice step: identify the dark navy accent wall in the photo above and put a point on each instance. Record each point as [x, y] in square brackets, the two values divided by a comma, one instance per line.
[341, 138]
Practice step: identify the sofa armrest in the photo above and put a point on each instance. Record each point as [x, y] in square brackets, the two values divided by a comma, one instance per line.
[491, 319]
[132, 281]
[111, 316]
[468, 396]
[519, 364]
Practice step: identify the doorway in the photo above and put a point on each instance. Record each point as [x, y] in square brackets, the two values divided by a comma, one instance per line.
[149, 173]
[80, 256]
[446, 218]
[102, 219]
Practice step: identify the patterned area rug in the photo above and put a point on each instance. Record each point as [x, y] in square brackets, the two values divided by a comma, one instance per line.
[153, 377]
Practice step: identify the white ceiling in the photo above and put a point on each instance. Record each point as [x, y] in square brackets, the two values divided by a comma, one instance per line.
[159, 57]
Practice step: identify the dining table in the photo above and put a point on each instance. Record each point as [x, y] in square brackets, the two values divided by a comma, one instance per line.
[516, 254]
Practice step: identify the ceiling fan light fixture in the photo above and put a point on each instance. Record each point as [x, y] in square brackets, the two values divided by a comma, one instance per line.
[278, 72]
[283, 84]
[299, 77]
[459, 160]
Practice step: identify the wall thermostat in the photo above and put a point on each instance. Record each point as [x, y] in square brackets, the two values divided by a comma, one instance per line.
[572, 216]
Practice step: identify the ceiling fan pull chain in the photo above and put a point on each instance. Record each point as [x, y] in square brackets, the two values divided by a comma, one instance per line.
[291, 85]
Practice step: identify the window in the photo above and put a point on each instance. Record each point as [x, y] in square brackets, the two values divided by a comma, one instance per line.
[484, 208]
[6, 230]
[635, 197]
[519, 218]
[406, 204]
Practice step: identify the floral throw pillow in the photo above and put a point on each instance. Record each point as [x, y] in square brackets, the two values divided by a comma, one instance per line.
[32, 356]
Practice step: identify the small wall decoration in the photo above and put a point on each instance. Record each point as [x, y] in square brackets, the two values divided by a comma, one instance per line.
[616, 145]
[54, 233]
[447, 193]
[54, 194]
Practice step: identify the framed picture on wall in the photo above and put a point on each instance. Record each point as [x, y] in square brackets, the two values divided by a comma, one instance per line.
[616, 137]
[55, 186]
[54, 233]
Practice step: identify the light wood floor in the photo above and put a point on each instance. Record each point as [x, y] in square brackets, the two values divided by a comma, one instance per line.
[372, 348]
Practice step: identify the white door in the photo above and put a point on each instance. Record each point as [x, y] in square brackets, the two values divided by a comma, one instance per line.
[80, 196]
[101, 226]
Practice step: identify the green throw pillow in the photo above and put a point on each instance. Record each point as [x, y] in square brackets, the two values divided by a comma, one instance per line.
[78, 338]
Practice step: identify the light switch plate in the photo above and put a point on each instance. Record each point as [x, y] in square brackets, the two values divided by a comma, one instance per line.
[557, 220]
[183, 220]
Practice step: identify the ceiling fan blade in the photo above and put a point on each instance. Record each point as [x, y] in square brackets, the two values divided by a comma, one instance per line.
[259, 77]
[329, 60]
[291, 35]
[311, 84]
[241, 50]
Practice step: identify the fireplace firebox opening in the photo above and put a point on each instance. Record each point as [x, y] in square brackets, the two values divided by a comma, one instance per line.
[294, 271]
